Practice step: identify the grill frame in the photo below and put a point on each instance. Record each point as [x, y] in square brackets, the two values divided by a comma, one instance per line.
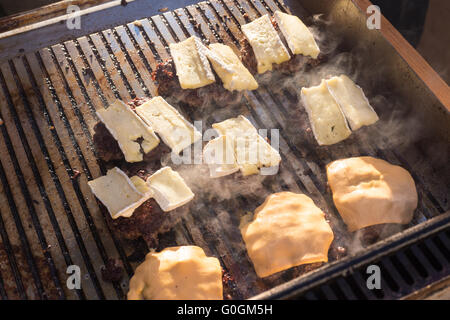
[112, 80]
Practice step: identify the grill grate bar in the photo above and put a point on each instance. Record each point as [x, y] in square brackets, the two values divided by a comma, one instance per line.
[355, 289]
[108, 42]
[66, 92]
[163, 32]
[347, 292]
[118, 82]
[43, 133]
[137, 57]
[438, 243]
[25, 192]
[108, 89]
[3, 294]
[64, 156]
[10, 254]
[62, 90]
[43, 151]
[94, 99]
[144, 43]
[99, 68]
[122, 58]
[215, 12]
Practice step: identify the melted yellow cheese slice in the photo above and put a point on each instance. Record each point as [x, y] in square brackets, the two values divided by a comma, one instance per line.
[327, 120]
[191, 64]
[352, 101]
[287, 230]
[177, 273]
[169, 124]
[266, 43]
[298, 37]
[369, 191]
[126, 127]
[234, 75]
[118, 193]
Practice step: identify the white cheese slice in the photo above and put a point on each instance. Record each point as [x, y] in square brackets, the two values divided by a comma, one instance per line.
[234, 75]
[191, 64]
[352, 101]
[219, 155]
[235, 127]
[251, 150]
[255, 152]
[298, 37]
[126, 127]
[266, 43]
[212, 56]
[169, 124]
[120, 194]
[169, 189]
[327, 120]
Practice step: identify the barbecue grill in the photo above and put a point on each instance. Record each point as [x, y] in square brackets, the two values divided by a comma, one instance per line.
[52, 79]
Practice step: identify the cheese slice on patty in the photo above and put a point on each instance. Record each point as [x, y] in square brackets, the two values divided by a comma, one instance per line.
[169, 189]
[327, 120]
[120, 194]
[352, 101]
[252, 152]
[127, 128]
[169, 124]
[177, 273]
[287, 230]
[298, 37]
[266, 43]
[235, 127]
[219, 155]
[369, 191]
[234, 75]
[191, 64]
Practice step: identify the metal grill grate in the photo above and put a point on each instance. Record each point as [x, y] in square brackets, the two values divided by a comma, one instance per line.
[402, 273]
[49, 219]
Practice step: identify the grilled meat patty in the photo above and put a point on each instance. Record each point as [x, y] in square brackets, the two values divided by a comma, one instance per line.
[169, 87]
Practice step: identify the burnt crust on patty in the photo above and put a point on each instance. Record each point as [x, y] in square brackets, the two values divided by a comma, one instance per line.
[169, 87]
[147, 221]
